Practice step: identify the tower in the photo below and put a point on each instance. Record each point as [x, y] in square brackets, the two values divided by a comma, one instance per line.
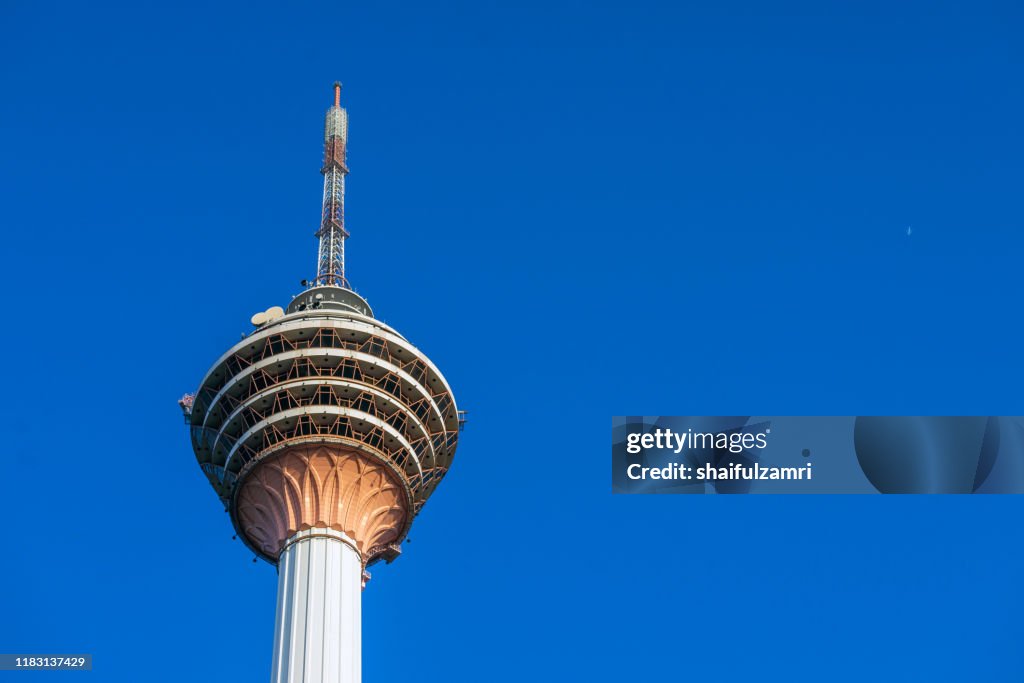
[323, 432]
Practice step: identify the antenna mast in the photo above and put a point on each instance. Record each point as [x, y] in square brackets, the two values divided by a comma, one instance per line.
[332, 233]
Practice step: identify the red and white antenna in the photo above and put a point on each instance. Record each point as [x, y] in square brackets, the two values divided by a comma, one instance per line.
[332, 233]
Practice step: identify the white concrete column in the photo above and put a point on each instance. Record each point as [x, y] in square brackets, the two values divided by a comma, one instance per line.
[318, 635]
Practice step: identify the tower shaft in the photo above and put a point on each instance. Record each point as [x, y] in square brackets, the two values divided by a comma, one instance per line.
[317, 637]
[332, 233]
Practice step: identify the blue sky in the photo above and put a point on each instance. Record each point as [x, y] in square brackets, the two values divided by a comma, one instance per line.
[577, 210]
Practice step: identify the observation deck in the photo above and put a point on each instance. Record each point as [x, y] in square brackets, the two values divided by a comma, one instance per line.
[341, 395]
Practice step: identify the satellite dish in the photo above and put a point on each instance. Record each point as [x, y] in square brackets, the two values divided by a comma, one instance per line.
[259, 319]
[274, 312]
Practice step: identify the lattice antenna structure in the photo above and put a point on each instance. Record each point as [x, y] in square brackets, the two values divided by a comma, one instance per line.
[332, 234]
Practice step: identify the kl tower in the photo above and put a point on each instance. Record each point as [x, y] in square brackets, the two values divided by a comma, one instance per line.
[323, 433]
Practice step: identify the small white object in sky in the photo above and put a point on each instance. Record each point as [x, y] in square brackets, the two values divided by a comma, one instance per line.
[908, 231]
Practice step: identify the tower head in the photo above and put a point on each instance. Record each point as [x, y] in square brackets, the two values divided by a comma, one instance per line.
[324, 417]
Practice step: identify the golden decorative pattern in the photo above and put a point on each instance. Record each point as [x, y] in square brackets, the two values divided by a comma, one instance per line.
[325, 486]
